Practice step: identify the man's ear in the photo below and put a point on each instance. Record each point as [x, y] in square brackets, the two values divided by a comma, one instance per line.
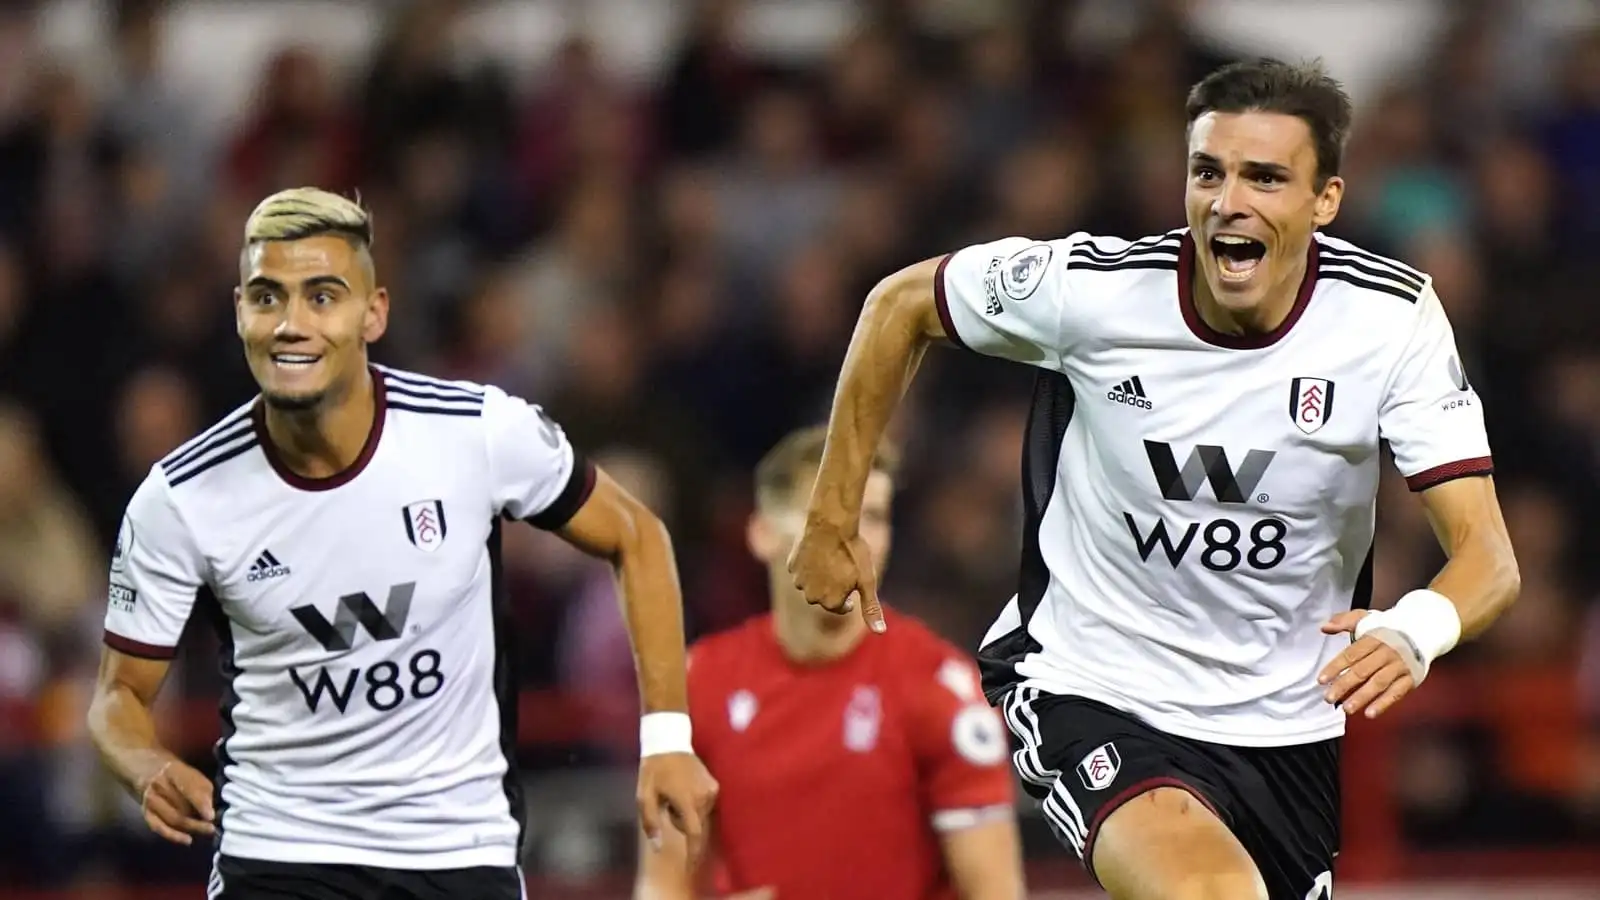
[1326, 208]
[761, 537]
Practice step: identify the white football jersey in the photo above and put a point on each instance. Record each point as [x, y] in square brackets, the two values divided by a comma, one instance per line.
[1199, 503]
[370, 712]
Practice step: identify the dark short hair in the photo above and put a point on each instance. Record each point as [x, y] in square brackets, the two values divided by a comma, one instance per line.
[780, 472]
[1305, 91]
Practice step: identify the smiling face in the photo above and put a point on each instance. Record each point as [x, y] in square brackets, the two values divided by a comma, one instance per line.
[306, 310]
[1254, 198]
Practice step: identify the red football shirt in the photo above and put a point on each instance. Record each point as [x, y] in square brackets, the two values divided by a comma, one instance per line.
[836, 778]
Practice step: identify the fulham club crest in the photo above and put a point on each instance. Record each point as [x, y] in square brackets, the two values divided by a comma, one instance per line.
[425, 524]
[1100, 767]
[1310, 403]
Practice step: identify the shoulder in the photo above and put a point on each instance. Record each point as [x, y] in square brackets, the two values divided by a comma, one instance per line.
[929, 660]
[1367, 274]
[415, 394]
[228, 439]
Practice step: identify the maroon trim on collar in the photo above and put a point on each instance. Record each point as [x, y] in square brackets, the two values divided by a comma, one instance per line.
[1197, 325]
[295, 480]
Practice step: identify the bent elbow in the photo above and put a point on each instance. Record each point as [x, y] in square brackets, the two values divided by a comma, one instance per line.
[1510, 580]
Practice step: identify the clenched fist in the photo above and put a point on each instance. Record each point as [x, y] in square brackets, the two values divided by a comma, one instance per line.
[831, 566]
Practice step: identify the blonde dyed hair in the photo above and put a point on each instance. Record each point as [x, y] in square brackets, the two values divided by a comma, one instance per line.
[304, 212]
[788, 466]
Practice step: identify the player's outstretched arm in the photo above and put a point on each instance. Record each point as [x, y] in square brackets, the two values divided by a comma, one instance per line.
[985, 859]
[613, 525]
[176, 800]
[830, 562]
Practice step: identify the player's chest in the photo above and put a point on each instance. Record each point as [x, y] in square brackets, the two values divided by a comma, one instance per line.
[376, 553]
[1229, 425]
[780, 737]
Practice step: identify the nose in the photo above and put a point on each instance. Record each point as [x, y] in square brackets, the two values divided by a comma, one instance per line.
[1230, 203]
[294, 324]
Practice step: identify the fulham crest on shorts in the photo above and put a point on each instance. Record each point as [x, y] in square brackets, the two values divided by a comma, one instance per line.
[1100, 768]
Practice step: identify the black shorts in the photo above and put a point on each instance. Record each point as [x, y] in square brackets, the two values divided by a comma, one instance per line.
[1083, 759]
[253, 879]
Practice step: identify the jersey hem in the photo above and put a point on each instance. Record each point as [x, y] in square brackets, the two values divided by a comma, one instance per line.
[941, 303]
[499, 856]
[131, 647]
[1184, 728]
[1462, 468]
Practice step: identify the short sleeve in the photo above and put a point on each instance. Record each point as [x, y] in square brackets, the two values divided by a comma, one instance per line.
[1430, 414]
[156, 571]
[1006, 299]
[961, 747]
[537, 475]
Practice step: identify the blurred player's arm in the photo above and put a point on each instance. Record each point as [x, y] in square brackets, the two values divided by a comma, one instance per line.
[155, 575]
[985, 857]
[665, 871]
[963, 752]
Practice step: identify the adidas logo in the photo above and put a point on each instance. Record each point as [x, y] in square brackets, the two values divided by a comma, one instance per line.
[266, 566]
[1130, 392]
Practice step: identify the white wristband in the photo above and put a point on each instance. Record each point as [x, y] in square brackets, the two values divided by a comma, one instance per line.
[1423, 626]
[665, 732]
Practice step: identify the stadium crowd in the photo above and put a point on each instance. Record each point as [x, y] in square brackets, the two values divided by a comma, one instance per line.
[673, 268]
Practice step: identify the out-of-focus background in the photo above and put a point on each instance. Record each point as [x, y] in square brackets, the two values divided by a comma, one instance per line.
[658, 218]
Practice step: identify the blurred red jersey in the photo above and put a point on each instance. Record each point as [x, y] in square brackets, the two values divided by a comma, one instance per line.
[837, 779]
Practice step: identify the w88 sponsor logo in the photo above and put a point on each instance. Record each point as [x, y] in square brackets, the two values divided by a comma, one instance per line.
[1221, 537]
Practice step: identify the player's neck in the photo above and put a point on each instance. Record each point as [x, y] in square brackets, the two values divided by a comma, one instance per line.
[328, 439]
[806, 640]
[1264, 318]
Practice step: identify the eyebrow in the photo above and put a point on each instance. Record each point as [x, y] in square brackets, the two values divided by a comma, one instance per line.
[314, 281]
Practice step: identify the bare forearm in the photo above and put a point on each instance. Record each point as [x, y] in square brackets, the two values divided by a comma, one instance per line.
[664, 872]
[653, 607]
[1482, 580]
[124, 731]
[985, 862]
[890, 338]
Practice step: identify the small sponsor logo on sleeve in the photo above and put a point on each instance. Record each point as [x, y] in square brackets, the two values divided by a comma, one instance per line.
[122, 598]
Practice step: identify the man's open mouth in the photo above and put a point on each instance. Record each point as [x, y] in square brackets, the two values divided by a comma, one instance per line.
[1237, 256]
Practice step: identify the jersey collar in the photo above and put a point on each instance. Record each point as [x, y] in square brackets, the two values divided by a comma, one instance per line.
[258, 416]
[1197, 325]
